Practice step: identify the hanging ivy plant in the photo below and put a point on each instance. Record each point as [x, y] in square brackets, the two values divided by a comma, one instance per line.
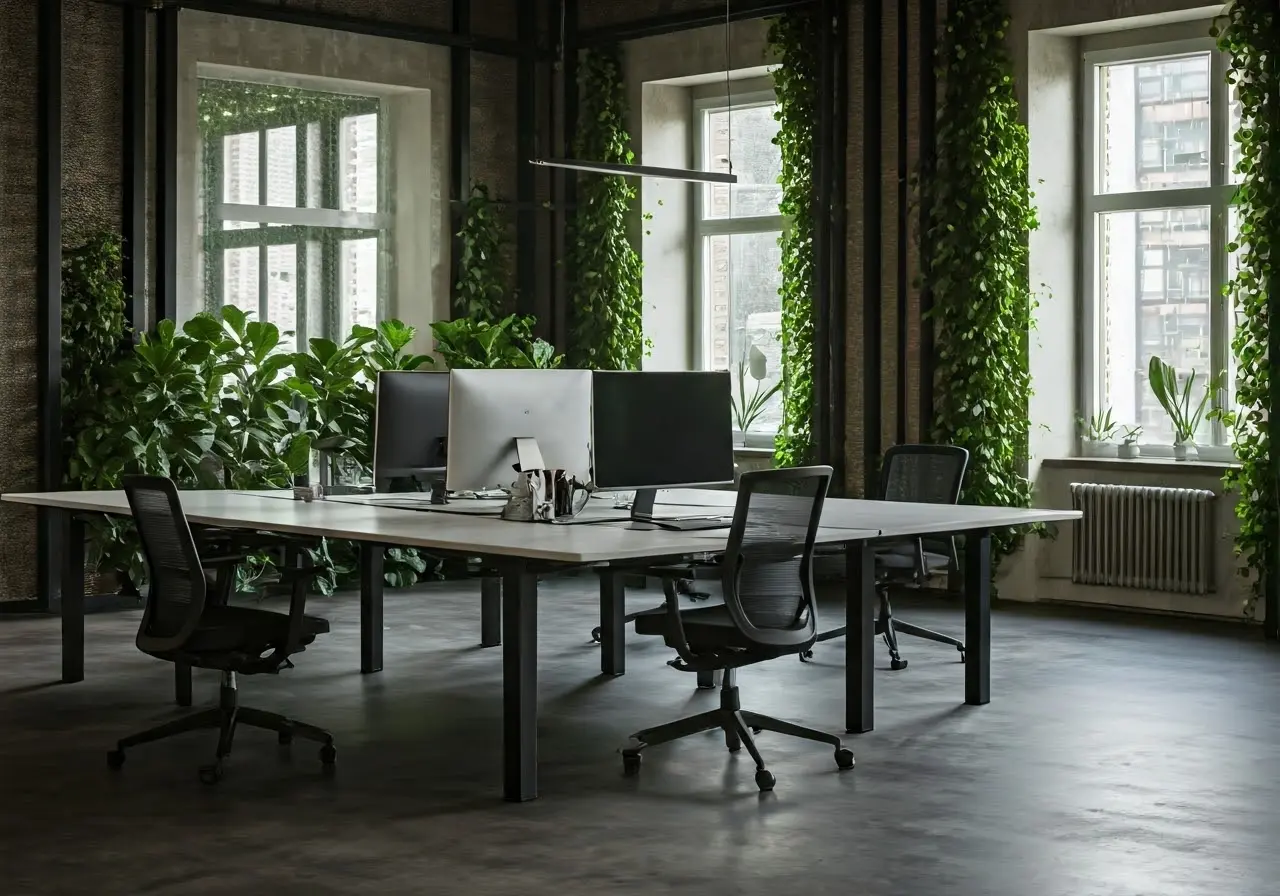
[480, 292]
[794, 39]
[1249, 32]
[975, 259]
[606, 314]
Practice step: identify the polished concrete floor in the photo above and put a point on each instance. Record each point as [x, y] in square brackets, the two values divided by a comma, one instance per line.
[1119, 756]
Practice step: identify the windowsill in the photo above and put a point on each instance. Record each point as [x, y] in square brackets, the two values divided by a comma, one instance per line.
[748, 451]
[1141, 464]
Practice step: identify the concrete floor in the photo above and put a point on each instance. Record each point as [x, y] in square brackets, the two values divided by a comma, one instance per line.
[1119, 756]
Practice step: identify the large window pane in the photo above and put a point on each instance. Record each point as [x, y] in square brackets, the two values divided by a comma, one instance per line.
[240, 278]
[742, 277]
[1153, 125]
[282, 167]
[359, 286]
[1153, 281]
[359, 164]
[240, 174]
[756, 161]
[282, 292]
[1234, 123]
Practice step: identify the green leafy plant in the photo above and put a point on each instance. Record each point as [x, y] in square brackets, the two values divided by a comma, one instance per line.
[1178, 400]
[974, 258]
[481, 288]
[606, 314]
[1131, 434]
[1099, 427]
[467, 343]
[748, 408]
[794, 37]
[1249, 33]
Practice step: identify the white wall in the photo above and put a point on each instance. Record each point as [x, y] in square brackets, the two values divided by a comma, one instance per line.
[413, 81]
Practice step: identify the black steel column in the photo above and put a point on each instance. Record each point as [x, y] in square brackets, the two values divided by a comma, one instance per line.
[613, 623]
[821, 214]
[519, 684]
[838, 309]
[71, 604]
[372, 560]
[166, 285]
[526, 174]
[860, 639]
[490, 611]
[872, 163]
[904, 214]
[50, 527]
[977, 618]
[564, 181]
[928, 161]
[459, 137]
[134, 192]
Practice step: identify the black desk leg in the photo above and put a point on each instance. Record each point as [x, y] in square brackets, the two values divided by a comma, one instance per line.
[72, 599]
[613, 627]
[490, 611]
[371, 581]
[860, 638]
[182, 684]
[519, 684]
[977, 618]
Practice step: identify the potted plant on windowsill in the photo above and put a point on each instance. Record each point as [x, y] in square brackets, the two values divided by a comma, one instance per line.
[1098, 434]
[1129, 442]
[1177, 403]
[747, 408]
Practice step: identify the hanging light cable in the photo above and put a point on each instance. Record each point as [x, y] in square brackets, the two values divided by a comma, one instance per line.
[685, 174]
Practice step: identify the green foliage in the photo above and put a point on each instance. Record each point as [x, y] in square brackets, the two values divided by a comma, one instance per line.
[748, 407]
[467, 343]
[93, 332]
[234, 107]
[480, 291]
[975, 260]
[1177, 399]
[606, 313]
[794, 37]
[1249, 32]
[1099, 427]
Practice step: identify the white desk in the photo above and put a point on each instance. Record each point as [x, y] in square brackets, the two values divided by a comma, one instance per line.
[522, 550]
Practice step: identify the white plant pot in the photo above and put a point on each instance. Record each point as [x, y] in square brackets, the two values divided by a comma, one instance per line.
[1185, 451]
[758, 439]
[1128, 451]
[1099, 449]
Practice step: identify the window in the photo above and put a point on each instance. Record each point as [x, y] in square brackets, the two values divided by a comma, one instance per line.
[294, 223]
[1158, 192]
[736, 231]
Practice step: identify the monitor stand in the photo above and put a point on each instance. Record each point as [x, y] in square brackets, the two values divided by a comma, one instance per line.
[642, 512]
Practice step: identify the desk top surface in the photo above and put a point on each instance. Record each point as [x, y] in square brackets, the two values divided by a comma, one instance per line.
[843, 520]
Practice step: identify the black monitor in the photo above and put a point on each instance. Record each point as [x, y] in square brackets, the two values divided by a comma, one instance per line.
[652, 430]
[410, 428]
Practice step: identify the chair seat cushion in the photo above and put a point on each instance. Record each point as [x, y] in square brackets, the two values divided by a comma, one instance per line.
[704, 627]
[896, 557]
[245, 633]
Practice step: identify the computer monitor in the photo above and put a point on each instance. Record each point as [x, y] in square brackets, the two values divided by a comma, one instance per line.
[411, 426]
[652, 430]
[490, 409]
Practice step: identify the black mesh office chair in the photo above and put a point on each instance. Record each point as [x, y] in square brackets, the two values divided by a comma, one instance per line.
[182, 623]
[926, 474]
[768, 612]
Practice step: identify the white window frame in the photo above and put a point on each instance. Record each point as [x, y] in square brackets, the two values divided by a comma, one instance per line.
[732, 226]
[1218, 196]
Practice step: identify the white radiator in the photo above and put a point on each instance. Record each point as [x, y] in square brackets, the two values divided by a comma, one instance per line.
[1135, 536]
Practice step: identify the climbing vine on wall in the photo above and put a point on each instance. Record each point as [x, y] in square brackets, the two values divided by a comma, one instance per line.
[1249, 32]
[480, 291]
[975, 260]
[794, 38]
[604, 269]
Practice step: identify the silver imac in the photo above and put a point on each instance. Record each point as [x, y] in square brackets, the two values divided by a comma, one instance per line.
[490, 409]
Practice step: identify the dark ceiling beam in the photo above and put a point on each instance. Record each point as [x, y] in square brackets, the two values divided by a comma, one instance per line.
[668, 23]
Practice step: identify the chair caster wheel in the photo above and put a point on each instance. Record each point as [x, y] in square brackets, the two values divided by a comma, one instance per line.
[595, 634]
[211, 774]
[844, 757]
[765, 780]
[806, 656]
[328, 755]
[284, 738]
[115, 758]
[897, 665]
[631, 762]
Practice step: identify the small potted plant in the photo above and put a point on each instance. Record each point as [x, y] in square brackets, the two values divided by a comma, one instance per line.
[1178, 402]
[1129, 442]
[747, 407]
[1098, 434]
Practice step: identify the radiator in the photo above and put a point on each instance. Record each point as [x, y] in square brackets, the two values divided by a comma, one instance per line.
[1143, 537]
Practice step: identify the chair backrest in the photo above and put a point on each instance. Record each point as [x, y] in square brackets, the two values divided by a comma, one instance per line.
[925, 474]
[768, 563]
[177, 591]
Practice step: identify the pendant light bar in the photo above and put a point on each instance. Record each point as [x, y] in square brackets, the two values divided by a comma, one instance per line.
[704, 177]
